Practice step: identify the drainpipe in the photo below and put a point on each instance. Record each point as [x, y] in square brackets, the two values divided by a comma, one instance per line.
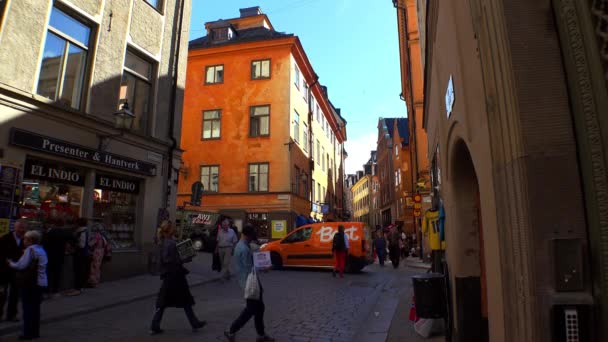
[172, 107]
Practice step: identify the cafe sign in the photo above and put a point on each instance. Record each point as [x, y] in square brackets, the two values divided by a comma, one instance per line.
[119, 184]
[66, 149]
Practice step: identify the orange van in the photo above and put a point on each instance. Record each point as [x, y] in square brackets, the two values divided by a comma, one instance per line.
[310, 246]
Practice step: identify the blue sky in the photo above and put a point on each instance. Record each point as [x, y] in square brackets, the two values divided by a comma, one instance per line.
[353, 47]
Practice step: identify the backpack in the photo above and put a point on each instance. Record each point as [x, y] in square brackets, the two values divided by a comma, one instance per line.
[338, 243]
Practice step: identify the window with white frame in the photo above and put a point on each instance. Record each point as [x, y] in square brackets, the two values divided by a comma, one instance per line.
[397, 177]
[158, 4]
[305, 95]
[259, 121]
[137, 77]
[318, 152]
[305, 136]
[210, 177]
[260, 69]
[64, 61]
[258, 177]
[296, 126]
[318, 111]
[396, 149]
[212, 124]
[297, 76]
[323, 158]
[214, 74]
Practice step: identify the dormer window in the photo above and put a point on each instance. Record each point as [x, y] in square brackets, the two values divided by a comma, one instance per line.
[222, 33]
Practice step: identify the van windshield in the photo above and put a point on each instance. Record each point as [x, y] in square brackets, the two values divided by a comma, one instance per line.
[299, 235]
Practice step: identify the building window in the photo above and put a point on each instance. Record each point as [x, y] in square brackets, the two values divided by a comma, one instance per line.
[261, 222]
[222, 33]
[214, 74]
[297, 77]
[296, 126]
[305, 92]
[258, 177]
[64, 62]
[397, 178]
[212, 124]
[319, 192]
[137, 77]
[260, 69]
[158, 4]
[323, 158]
[296, 182]
[318, 113]
[210, 176]
[396, 150]
[259, 121]
[305, 136]
[318, 152]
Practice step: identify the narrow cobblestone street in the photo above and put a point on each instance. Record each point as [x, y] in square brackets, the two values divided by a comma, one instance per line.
[301, 305]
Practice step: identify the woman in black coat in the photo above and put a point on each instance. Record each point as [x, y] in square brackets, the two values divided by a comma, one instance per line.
[174, 291]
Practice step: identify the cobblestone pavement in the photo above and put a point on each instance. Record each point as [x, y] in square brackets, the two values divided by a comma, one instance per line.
[301, 305]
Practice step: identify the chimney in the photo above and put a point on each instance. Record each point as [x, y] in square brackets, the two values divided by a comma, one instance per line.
[250, 11]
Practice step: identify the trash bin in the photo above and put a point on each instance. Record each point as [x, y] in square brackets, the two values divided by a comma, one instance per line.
[429, 290]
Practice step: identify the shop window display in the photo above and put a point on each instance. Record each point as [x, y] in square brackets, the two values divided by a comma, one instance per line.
[45, 200]
[117, 211]
[259, 220]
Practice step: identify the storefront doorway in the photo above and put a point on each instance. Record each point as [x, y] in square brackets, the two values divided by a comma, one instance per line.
[466, 257]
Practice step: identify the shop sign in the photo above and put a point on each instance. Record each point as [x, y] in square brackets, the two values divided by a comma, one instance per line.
[417, 205]
[279, 229]
[449, 97]
[315, 208]
[4, 226]
[118, 184]
[325, 209]
[66, 149]
[202, 219]
[38, 169]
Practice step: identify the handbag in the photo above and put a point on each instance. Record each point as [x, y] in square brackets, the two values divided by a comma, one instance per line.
[252, 286]
[27, 278]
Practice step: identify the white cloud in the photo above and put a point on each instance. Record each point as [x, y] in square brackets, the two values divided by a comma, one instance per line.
[359, 150]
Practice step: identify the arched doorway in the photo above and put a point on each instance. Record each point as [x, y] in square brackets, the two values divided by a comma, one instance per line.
[465, 250]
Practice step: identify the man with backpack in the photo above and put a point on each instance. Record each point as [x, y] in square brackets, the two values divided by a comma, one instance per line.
[339, 248]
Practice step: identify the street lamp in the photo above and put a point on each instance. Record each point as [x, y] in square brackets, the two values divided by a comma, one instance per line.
[123, 121]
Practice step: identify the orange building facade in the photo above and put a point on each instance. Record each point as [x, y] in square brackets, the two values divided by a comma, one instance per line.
[403, 175]
[258, 129]
[412, 85]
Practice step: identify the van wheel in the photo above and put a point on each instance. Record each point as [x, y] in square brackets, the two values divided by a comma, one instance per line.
[198, 244]
[276, 260]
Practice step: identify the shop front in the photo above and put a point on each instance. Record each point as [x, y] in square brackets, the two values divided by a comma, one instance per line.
[62, 181]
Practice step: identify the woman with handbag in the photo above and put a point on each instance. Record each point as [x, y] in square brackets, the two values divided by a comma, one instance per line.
[174, 291]
[31, 279]
[248, 280]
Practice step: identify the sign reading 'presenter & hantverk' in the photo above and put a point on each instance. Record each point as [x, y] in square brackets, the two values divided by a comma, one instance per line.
[66, 149]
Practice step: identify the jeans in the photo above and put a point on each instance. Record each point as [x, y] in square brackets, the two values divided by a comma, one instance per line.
[31, 298]
[158, 316]
[253, 308]
[10, 293]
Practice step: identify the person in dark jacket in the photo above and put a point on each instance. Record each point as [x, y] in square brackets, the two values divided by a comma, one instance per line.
[11, 248]
[339, 248]
[379, 247]
[174, 291]
[53, 242]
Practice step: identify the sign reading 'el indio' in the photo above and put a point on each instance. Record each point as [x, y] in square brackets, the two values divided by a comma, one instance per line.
[46, 170]
[113, 183]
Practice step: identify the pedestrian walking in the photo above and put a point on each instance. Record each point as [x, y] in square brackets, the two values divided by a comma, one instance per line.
[53, 242]
[11, 248]
[394, 246]
[253, 307]
[226, 240]
[339, 248]
[100, 251]
[31, 279]
[379, 247]
[174, 291]
[82, 257]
